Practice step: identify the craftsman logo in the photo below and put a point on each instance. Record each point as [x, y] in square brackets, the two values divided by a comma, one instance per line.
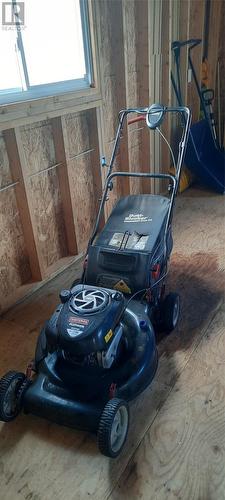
[137, 218]
[13, 15]
[78, 321]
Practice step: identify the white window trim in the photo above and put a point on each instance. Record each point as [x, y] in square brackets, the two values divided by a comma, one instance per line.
[10, 96]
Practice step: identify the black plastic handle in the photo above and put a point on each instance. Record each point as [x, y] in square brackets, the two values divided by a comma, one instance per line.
[192, 43]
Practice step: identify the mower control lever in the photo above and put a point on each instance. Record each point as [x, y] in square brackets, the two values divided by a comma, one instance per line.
[110, 185]
[155, 115]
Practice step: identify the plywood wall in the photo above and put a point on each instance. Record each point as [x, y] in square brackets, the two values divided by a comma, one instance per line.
[50, 174]
[14, 261]
[83, 163]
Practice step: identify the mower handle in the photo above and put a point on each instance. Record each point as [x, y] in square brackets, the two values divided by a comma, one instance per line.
[142, 112]
[143, 174]
[193, 42]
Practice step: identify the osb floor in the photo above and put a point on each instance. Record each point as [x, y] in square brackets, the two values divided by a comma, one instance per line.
[176, 443]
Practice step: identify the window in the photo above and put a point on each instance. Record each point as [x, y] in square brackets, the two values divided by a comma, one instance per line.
[44, 48]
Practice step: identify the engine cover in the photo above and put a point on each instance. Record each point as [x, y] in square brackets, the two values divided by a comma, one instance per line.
[85, 322]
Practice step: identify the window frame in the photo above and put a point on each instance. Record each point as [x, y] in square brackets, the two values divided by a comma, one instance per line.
[34, 92]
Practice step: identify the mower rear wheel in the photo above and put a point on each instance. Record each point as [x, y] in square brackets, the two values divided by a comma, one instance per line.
[113, 427]
[170, 312]
[10, 385]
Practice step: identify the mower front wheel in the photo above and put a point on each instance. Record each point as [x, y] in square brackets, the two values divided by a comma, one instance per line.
[170, 312]
[113, 427]
[10, 385]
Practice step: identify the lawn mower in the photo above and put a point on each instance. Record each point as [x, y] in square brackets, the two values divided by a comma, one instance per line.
[98, 350]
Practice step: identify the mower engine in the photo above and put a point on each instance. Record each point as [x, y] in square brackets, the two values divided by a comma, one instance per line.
[86, 326]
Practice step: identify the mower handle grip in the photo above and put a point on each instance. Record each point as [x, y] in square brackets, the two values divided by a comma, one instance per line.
[137, 119]
[170, 177]
[193, 42]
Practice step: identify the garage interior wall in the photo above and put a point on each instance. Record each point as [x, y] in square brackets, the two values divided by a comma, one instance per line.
[50, 174]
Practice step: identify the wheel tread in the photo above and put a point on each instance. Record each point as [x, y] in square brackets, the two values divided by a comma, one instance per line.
[4, 385]
[105, 425]
[167, 312]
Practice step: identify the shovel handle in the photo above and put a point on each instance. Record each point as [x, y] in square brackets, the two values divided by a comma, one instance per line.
[191, 43]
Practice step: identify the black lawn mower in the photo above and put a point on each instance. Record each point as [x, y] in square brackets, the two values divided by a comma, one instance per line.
[98, 350]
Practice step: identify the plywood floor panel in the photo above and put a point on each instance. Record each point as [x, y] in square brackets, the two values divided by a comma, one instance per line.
[182, 455]
[40, 460]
